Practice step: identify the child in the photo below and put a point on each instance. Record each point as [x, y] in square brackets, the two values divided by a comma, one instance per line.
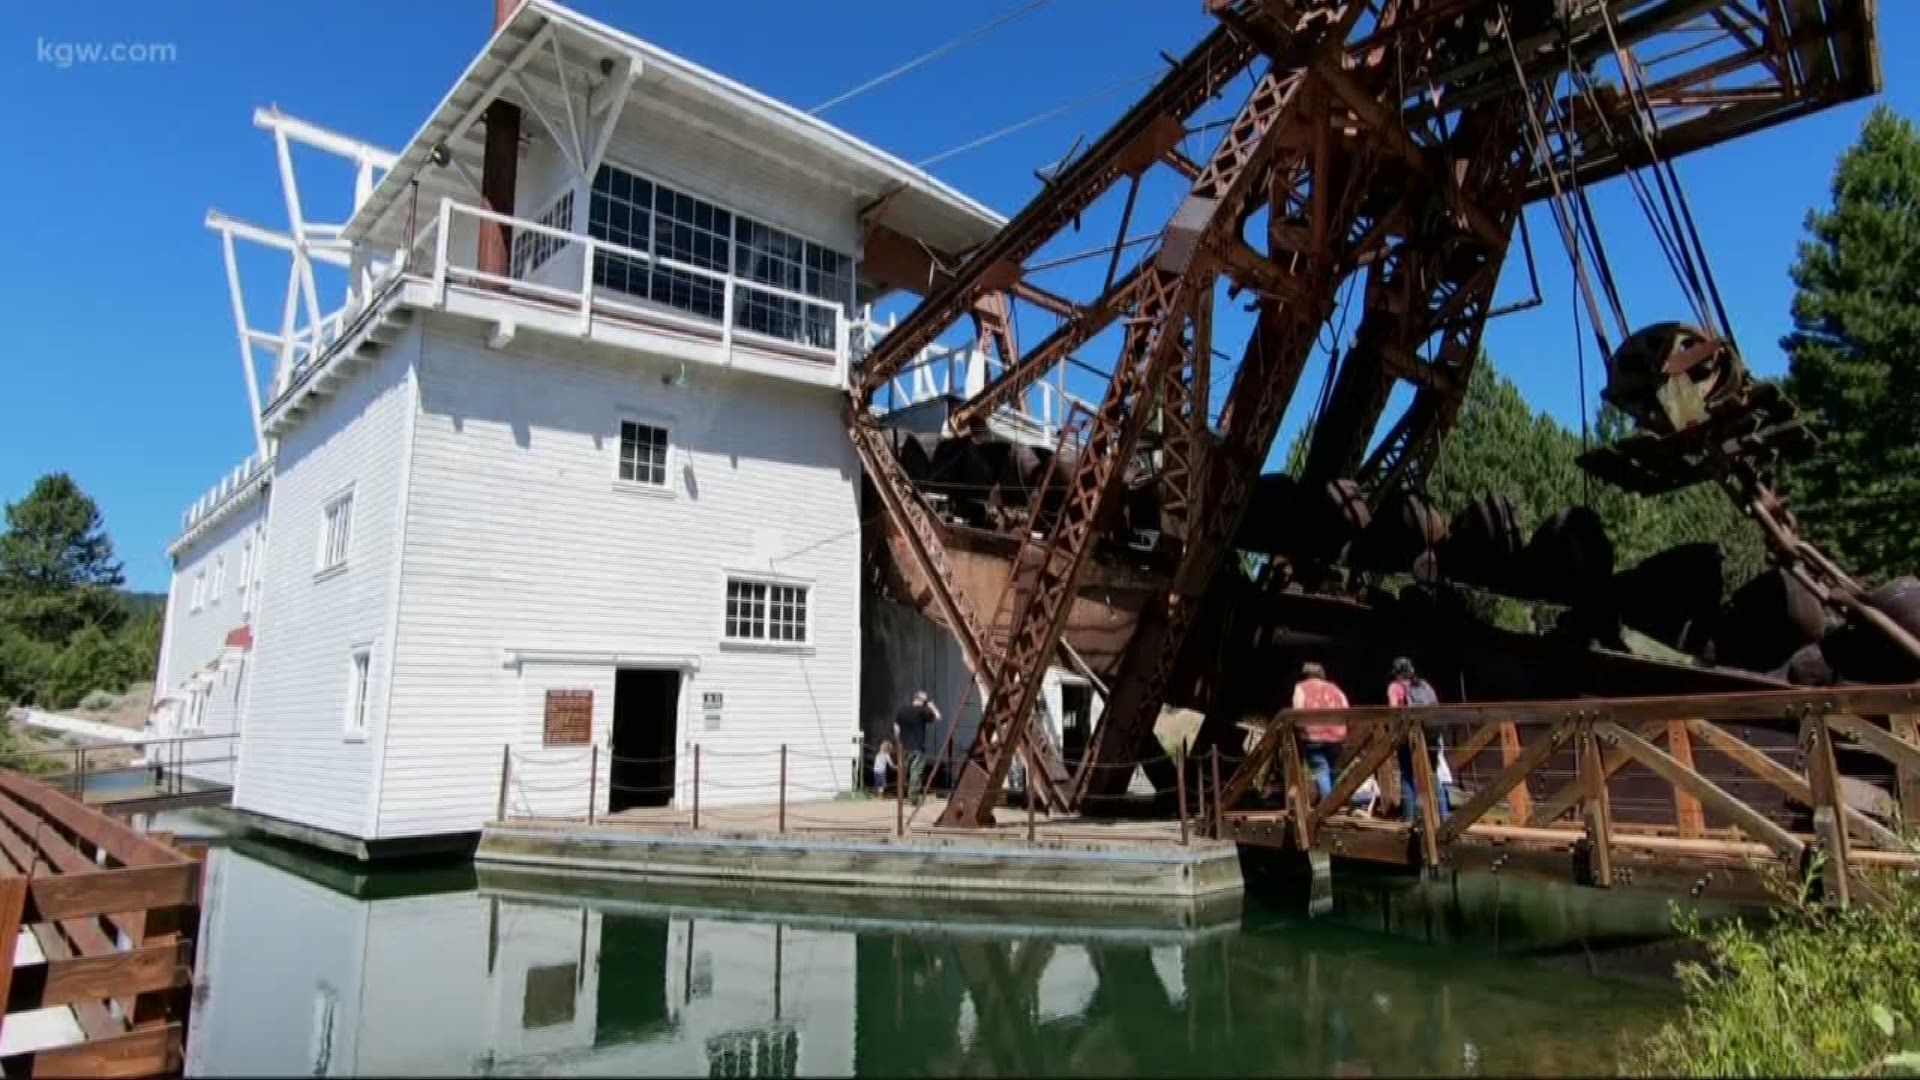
[883, 767]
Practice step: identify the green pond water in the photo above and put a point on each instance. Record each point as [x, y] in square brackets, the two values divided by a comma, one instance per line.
[316, 967]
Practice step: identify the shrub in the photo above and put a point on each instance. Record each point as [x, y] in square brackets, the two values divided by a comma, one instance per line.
[1807, 991]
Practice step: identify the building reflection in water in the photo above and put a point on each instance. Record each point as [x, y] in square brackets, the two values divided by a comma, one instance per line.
[315, 971]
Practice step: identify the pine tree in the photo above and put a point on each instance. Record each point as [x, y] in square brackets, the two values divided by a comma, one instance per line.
[1854, 355]
[57, 570]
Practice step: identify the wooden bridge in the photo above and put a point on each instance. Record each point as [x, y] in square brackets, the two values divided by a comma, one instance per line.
[102, 923]
[1707, 792]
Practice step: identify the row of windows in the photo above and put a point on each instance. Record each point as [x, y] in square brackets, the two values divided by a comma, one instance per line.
[653, 218]
[209, 588]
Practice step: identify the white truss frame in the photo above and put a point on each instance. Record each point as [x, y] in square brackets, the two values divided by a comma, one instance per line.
[304, 242]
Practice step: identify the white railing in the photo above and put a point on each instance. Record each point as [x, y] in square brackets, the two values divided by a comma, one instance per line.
[960, 371]
[230, 485]
[795, 323]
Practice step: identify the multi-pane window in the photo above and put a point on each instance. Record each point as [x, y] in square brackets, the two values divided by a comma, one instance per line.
[359, 668]
[659, 221]
[336, 532]
[765, 611]
[199, 591]
[219, 579]
[643, 453]
[532, 248]
[246, 576]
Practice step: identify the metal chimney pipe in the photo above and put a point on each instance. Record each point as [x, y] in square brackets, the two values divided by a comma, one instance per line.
[499, 168]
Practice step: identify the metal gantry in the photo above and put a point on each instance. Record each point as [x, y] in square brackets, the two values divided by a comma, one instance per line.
[1393, 139]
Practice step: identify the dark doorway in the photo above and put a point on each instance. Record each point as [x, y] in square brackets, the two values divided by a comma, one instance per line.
[1076, 721]
[646, 711]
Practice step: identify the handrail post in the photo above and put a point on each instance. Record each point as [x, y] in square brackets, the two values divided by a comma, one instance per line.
[1219, 804]
[783, 788]
[1180, 789]
[1028, 786]
[506, 771]
[726, 320]
[440, 248]
[587, 261]
[593, 778]
[696, 785]
[900, 797]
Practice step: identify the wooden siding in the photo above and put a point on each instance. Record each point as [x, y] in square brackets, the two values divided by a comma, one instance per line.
[519, 538]
[297, 763]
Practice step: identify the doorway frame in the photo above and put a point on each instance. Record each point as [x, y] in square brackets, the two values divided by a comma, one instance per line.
[604, 799]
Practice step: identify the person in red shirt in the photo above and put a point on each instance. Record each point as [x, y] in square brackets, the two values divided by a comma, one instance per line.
[1322, 740]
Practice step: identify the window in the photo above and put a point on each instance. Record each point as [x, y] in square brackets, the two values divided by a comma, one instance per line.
[765, 611]
[643, 453]
[219, 579]
[531, 248]
[336, 532]
[655, 219]
[196, 709]
[199, 591]
[246, 576]
[357, 671]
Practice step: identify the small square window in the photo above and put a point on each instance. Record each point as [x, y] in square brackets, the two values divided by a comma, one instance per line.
[643, 454]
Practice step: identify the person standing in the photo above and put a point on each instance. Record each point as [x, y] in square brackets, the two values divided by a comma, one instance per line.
[883, 767]
[910, 728]
[1408, 690]
[1323, 740]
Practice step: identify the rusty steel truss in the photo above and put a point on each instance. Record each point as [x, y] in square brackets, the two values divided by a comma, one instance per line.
[1396, 140]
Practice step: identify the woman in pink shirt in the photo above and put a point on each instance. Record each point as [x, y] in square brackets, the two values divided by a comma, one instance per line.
[1322, 740]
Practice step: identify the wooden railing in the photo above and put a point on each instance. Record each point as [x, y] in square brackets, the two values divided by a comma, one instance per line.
[1700, 823]
[115, 915]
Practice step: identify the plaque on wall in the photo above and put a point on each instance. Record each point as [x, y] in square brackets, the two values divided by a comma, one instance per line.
[569, 717]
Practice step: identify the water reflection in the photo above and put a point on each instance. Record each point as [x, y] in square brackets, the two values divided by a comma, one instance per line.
[319, 970]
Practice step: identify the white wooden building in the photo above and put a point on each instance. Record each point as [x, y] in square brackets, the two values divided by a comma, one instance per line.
[588, 488]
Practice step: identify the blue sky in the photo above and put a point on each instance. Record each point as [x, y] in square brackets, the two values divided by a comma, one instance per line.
[120, 364]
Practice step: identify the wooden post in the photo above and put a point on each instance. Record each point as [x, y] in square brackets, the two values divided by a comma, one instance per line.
[1823, 777]
[1519, 803]
[1424, 792]
[1907, 728]
[696, 785]
[593, 778]
[1180, 789]
[1219, 804]
[783, 788]
[900, 795]
[1298, 782]
[506, 772]
[1595, 810]
[1686, 808]
[13, 903]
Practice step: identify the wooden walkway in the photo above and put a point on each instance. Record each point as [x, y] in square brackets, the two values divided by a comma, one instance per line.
[1697, 790]
[113, 916]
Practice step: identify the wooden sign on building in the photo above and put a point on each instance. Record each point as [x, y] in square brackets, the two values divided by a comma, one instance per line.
[569, 717]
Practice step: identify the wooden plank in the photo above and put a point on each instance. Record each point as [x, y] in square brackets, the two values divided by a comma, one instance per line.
[1424, 787]
[13, 902]
[97, 978]
[1298, 782]
[95, 1021]
[1686, 809]
[1823, 776]
[1906, 728]
[1482, 737]
[1746, 818]
[142, 1053]
[118, 840]
[1762, 765]
[105, 892]
[1868, 734]
[1596, 810]
[1496, 789]
[1568, 796]
[1520, 802]
[1753, 705]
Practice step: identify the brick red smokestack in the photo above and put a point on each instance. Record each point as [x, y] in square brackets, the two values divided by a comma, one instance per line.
[499, 167]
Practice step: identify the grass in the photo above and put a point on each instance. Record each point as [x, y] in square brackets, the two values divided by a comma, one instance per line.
[1805, 991]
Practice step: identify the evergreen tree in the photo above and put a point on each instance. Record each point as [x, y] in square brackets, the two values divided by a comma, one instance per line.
[57, 570]
[1854, 354]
